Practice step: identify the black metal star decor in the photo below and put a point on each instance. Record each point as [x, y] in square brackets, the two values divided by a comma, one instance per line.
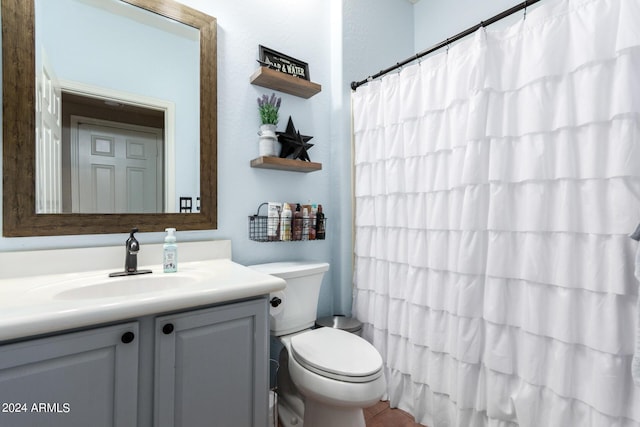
[294, 145]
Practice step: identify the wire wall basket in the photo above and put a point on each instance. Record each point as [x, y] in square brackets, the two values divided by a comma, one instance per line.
[263, 228]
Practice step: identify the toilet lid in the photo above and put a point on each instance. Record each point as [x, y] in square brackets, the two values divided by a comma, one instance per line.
[337, 354]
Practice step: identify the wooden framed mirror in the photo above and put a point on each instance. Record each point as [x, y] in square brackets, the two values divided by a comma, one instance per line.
[19, 132]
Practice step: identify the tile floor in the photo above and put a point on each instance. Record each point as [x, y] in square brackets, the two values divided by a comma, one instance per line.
[381, 415]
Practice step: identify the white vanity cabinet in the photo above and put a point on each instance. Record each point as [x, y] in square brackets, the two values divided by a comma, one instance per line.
[211, 367]
[73, 379]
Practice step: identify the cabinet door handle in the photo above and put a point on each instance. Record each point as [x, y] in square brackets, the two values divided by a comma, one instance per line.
[127, 337]
[167, 329]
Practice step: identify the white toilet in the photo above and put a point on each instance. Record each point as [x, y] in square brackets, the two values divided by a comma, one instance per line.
[326, 375]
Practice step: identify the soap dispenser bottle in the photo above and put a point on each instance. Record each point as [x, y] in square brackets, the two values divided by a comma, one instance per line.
[170, 251]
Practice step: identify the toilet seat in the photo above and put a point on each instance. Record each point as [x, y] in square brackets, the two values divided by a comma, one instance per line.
[337, 354]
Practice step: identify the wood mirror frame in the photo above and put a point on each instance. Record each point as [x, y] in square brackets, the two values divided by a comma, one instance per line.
[18, 133]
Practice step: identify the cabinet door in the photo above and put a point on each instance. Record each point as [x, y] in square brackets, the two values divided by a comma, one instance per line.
[86, 378]
[211, 367]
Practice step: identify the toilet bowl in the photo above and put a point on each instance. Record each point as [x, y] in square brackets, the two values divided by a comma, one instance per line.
[326, 375]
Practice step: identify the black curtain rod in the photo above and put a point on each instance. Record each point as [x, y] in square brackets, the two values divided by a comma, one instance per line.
[465, 33]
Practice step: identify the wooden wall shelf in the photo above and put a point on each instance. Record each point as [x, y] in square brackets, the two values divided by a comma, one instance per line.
[272, 79]
[266, 162]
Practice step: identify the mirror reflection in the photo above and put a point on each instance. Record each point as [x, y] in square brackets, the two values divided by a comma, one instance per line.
[117, 109]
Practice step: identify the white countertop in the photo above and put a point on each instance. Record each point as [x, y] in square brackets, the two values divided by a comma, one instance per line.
[41, 304]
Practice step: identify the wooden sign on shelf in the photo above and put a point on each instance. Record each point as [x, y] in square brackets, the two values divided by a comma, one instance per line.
[283, 63]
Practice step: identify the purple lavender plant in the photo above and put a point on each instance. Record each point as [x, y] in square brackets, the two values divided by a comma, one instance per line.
[268, 108]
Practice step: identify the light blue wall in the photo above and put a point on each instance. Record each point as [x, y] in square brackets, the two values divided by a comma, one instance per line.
[437, 20]
[301, 30]
[342, 40]
[374, 35]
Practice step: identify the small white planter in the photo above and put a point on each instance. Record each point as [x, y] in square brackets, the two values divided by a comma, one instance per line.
[268, 145]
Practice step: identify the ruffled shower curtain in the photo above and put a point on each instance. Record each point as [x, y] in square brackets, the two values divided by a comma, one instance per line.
[496, 185]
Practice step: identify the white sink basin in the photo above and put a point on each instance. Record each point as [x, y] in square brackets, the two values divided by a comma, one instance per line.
[128, 285]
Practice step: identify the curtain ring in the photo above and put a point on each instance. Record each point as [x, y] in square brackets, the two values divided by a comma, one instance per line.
[525, 10]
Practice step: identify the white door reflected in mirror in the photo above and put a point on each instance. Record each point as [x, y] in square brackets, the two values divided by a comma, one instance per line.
[116, 168]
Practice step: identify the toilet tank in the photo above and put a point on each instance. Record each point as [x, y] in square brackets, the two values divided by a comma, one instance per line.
[299, 305]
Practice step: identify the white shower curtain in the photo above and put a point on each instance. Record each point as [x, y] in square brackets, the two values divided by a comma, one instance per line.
[496, 185]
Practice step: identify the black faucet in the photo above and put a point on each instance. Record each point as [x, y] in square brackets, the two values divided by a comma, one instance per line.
[132, 246]
[131, 257]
